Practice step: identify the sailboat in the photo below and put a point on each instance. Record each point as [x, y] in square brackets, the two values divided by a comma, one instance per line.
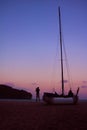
[54, 98]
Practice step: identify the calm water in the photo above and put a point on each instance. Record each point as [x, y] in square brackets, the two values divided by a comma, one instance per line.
[33, 100]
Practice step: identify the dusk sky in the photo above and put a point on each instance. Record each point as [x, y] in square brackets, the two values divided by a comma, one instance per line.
[29, 44]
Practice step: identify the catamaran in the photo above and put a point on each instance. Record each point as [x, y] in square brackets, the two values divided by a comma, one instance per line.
[54, 98]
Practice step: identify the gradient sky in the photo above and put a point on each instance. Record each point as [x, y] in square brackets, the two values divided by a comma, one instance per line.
[29, 39]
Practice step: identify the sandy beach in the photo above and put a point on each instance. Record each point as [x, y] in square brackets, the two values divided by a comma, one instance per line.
[24, 115]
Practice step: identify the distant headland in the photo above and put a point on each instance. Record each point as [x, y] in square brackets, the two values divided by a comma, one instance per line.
[7, 92]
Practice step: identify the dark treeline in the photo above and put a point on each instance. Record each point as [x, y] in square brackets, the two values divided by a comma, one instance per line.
[7, 92]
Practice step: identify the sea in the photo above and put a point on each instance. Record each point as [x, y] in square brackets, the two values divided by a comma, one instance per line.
[34, 100]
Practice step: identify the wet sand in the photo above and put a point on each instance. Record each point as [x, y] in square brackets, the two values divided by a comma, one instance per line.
[24, 115]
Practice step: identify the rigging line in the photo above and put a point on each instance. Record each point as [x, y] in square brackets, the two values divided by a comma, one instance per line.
[66, 59]
[54, 68]
[67, 66]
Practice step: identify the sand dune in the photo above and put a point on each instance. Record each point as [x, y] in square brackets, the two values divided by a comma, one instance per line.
[24, 115]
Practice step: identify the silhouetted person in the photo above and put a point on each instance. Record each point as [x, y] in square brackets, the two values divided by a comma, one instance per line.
[70, 93]
[37, 94]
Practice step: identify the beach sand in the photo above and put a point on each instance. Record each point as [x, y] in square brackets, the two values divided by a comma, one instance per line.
[24, 115]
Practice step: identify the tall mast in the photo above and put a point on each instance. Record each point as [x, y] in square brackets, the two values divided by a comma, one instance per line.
[61, 51]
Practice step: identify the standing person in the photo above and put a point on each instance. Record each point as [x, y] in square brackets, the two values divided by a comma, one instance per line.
[70, 93]
[37, 94]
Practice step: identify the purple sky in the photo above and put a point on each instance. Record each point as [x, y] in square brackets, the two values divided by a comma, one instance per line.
[29, 34]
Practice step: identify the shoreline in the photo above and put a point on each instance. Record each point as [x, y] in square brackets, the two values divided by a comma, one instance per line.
[34, 100]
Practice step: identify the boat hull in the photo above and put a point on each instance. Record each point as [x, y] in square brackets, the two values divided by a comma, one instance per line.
[51, 98]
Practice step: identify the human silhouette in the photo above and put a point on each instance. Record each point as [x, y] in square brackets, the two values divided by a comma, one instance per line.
[70, 93]
[37, 94]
